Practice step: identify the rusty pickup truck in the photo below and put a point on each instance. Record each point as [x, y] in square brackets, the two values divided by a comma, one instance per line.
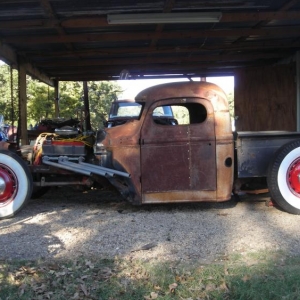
[172, 143]
[195, 157]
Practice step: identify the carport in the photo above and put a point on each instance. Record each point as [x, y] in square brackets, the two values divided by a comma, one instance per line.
[257, 42]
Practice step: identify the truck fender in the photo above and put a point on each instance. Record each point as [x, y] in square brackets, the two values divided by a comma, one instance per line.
[4, 145]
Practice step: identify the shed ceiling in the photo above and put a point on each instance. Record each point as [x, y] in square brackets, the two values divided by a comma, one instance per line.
[72, 40]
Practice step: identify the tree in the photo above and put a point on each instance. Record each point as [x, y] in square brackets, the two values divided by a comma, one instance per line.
[230, 98]
[7, 96]
[40, 99]
[40, 104]
[101, 94]
[70, 98]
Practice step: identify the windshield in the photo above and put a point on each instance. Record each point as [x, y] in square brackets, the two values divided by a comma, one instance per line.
[125, 110]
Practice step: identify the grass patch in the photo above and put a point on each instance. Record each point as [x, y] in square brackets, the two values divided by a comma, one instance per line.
[253, 276]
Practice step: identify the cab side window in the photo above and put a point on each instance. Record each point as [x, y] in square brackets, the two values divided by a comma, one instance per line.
[181, 114]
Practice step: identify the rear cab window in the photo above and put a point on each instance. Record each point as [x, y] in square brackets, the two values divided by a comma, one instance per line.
[180, 114]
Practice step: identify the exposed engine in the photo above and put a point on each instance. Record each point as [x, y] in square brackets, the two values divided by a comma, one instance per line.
[62, 141]
[55, 145]
[68, 154]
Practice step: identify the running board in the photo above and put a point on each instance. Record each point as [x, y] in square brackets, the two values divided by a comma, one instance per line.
[83, 168]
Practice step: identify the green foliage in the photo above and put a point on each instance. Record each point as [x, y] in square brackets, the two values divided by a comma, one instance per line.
[70, 97]
[101, 94]
[7, 96]
[181, 114]
[40, 99]
[230, 98]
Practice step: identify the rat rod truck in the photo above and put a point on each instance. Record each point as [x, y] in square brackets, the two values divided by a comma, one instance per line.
[151, 156]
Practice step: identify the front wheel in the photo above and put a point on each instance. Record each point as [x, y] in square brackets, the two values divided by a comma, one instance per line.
[284, 177]
[15, 184]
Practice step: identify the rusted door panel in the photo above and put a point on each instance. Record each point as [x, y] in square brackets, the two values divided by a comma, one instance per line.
[203, 171]
[178, 158]
[164, 159]
[165, 167]
[203, 165]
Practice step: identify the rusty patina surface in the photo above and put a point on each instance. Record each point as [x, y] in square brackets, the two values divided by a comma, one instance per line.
[180, 163]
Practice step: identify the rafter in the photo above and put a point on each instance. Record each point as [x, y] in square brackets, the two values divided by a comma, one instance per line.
[163, 60]
[241, 47]
[52, 15]
[116, 36]
[101, 20]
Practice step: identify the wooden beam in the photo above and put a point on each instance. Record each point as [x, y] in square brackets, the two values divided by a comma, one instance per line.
[86, 107]
[168, 6]
[261, 23]
[196, 58]
[94, 21]
[56, 98]
[37, 54]
[8, 55]
[47, 7]
[151, 69]
[22, 105]
[260, 16]
[142, 36]
[157, 75]
[298, 89]
[86, 22]
[289, 4]
[37, 74]
[28, 24]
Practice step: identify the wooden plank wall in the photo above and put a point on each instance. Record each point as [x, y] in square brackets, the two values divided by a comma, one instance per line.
[265, 98]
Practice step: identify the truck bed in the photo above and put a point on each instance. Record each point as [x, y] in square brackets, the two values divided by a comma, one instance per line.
[254, 150]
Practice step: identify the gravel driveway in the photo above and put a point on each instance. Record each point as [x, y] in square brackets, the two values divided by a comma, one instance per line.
[66, 223]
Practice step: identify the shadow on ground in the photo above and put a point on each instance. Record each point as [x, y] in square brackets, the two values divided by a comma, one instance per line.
[65, 223]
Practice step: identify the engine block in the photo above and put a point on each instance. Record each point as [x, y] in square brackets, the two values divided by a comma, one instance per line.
[63, 148]
[54, 146]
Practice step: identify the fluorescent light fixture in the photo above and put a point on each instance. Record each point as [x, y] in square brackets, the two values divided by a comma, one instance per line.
[163, 18]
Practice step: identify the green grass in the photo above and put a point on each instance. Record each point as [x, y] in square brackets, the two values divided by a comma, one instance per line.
[261, 275]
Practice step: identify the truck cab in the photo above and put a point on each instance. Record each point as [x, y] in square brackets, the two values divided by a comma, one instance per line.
[176, 142]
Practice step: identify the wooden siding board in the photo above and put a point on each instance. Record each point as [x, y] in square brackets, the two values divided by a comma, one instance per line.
[265, 98]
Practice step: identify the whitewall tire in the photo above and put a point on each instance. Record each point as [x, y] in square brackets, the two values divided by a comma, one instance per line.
[15, 184]
[284, 177]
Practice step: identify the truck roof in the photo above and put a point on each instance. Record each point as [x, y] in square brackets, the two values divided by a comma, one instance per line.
[186, 89]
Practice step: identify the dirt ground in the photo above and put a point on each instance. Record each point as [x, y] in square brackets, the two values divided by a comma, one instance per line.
[65, 223]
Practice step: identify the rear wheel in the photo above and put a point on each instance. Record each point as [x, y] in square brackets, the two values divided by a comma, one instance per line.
[284, 177]
[15, 184]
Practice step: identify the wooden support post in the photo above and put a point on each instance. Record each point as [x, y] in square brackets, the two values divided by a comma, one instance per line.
[298, 89]
[56, 98]
[12, 113]
[22, 105]
[86, 106]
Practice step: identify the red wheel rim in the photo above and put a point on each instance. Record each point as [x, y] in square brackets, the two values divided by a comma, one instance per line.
[294, 177]
[8, 186]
